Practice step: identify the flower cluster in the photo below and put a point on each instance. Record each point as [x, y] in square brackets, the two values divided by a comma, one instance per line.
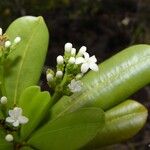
[6, 46]
[14, 119]
[70, 69]
[10, 119]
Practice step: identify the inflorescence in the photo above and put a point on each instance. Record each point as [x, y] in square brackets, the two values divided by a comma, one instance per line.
[70, 68]
[6, 46]
[11, 118]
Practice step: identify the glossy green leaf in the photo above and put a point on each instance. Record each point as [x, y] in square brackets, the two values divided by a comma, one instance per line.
[117, 78]
[122, 123]
[35, 105]
[25, 63]
[4, 145]
[62, 104]
[69, 132]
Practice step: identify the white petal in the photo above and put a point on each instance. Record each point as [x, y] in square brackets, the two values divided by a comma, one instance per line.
[79, 60]
[68, 47]
[93, 67]
[23, 119]
[10, 120]
[84, 68]
[16, 123]
[11, 113]
[1, 31]
[93, 59]
[60, 59]
[18, 111]
[82, 50]
[75, 86]
[86, 56]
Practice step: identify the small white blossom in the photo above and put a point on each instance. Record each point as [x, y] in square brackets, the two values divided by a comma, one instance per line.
[75, 86]
[125, 21]
[49, 77]
[59, 74]
[73, 51]
[60, 60]
[16, 118]
[9, 138]
[3, 100]
[79, 60]
[82, 50]
[68, 47]
[89, 63]
[17, 40]
[1, 31]
[7, 44]
[71, 60]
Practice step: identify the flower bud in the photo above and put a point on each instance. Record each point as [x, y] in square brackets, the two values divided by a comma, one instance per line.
[9, 138]
[79, 76]
[68, 47]
[59, 74]
[73, 51]
[60, 60]
[1, 31]
[17, 40]
[82, 50]
[7, 44]
[71, 60]
[49, 77]
[3, 100]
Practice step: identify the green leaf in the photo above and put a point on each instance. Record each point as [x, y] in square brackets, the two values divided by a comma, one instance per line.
[26, 148]
[4, 145]
[35, 105]
[122, 123]
[117, 78]
[25, 63]
[69, 132]
[61, 105]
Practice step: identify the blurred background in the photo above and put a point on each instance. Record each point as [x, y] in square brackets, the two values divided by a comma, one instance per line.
[104, 26]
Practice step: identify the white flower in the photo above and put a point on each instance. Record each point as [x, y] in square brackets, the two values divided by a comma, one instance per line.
[73, 51]
[17, 40]
[49, 77]
[89, 63]
[7, 44]
[125, 21]
[3, 100]
[68, 47]
[59, 74]
[82, 50]
[9, 138]
[71, 60]
[1, 31]
[60, 60]
[75, 86]
[79, 60]
[16, 118]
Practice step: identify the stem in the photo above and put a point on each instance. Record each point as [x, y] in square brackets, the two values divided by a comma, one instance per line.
[59, 90]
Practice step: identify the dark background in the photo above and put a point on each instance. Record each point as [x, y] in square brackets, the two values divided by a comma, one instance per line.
[104, 26]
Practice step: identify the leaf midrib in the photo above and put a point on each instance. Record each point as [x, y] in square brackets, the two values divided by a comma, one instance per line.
[23, 60]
